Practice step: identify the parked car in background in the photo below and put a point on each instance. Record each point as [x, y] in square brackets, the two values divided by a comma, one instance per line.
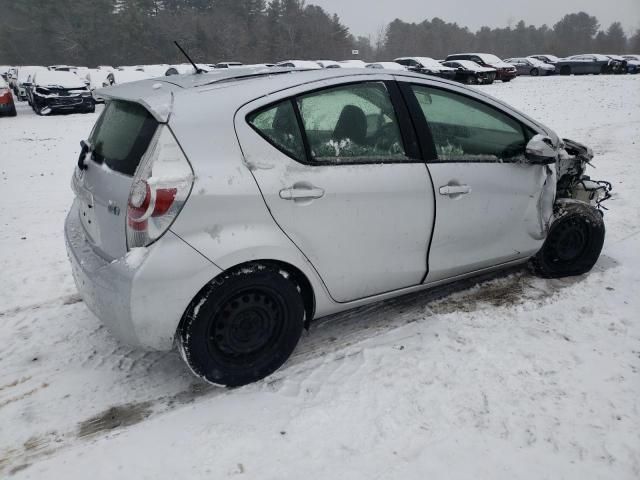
[550, 59]
[353, 64]
[387, 66]
[7, 107]
[626, 65]
[531, 66]
[60, 91]
[12, 77]
[306, 64]
[504, 71]
[470, 72]
[62, 68]
[97, 79]
[4, 72]
[586, 64]
[328, 64]
[428, 66]
[118, 77]
[304, 212]
[633, 63]
[23, 80]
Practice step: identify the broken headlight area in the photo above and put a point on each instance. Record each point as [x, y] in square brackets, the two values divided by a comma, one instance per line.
[573, 183]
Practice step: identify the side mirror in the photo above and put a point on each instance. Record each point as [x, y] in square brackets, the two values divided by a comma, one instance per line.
[540, 151]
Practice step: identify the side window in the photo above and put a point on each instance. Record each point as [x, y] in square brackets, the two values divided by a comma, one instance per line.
[352, 124]
[279, 126]
[464, 129]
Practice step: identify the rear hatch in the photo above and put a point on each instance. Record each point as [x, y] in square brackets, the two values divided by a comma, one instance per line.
[104, 175]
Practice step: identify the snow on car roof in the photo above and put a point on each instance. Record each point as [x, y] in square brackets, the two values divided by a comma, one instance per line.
[58, 78]
[387, 66]
[299, 64]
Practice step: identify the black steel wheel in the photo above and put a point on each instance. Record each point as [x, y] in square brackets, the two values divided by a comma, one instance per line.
[574, 243]
[243, 326]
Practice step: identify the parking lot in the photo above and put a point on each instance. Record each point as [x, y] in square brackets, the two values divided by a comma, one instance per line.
[514, 377]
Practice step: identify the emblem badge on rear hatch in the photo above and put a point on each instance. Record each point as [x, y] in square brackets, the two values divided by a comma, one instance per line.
[113, 208]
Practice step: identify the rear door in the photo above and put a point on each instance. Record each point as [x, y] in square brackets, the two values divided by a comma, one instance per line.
[488, 198]
[102, 180]
[349, 189]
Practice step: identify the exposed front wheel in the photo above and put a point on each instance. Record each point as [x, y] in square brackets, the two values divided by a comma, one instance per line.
[574, 243]
[243, 326]
[535, 72]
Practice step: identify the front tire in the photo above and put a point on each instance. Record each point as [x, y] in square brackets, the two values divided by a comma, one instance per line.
[574, 243]
[243, 326]
[534, 72]
[565, 70]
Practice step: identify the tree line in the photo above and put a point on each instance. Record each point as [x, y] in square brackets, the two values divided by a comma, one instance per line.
[130, 32]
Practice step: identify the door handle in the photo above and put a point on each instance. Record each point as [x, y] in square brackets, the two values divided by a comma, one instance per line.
[299, 193]
[454, 190]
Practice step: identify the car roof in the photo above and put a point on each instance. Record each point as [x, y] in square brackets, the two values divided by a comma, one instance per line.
[242, 84]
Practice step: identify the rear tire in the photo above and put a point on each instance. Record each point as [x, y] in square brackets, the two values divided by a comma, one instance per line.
[243, 326]
[574, 243]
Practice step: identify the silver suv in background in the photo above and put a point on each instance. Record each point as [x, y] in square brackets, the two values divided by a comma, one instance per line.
[224, 211]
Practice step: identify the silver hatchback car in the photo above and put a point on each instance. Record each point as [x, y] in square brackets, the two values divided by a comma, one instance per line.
[222, 212]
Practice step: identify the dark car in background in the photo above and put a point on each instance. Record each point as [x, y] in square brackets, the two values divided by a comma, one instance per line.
[470, 72]
[587, 64]
[7, 107]
[531, 66]
[633, 63]
[504, 71]
[428, 66]
[60, 91]
[626, 65]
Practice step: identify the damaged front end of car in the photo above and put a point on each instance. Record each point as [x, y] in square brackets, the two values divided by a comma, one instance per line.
[573, 183]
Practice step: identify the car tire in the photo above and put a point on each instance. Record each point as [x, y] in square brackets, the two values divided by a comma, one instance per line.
[565, 70]
[13, 112]
[534, 72]
[574, 243]
[243, 326]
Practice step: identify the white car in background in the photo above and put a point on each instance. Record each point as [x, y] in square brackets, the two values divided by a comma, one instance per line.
[328, 64]
[427, 65]
[119, 77]
[22, 81]
[305, 64]
[353, 64]
[386, 66]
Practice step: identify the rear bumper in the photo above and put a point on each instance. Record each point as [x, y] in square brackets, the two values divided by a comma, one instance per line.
[139, 298]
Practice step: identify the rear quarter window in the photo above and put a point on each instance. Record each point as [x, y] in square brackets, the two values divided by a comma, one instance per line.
[122, 135]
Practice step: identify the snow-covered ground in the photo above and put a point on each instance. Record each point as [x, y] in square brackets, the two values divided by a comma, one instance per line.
[515, 377]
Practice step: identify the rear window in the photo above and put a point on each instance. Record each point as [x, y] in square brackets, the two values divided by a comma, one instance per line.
[122, 135]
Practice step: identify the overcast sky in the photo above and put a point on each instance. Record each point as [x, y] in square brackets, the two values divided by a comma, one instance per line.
[364, 17]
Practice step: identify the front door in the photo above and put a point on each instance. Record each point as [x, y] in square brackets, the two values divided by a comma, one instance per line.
[488, 198]
[347, 188]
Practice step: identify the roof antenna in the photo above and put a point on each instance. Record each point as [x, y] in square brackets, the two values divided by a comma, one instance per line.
[198, 69]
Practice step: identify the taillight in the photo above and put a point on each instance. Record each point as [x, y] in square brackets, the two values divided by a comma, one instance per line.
[160, 189]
